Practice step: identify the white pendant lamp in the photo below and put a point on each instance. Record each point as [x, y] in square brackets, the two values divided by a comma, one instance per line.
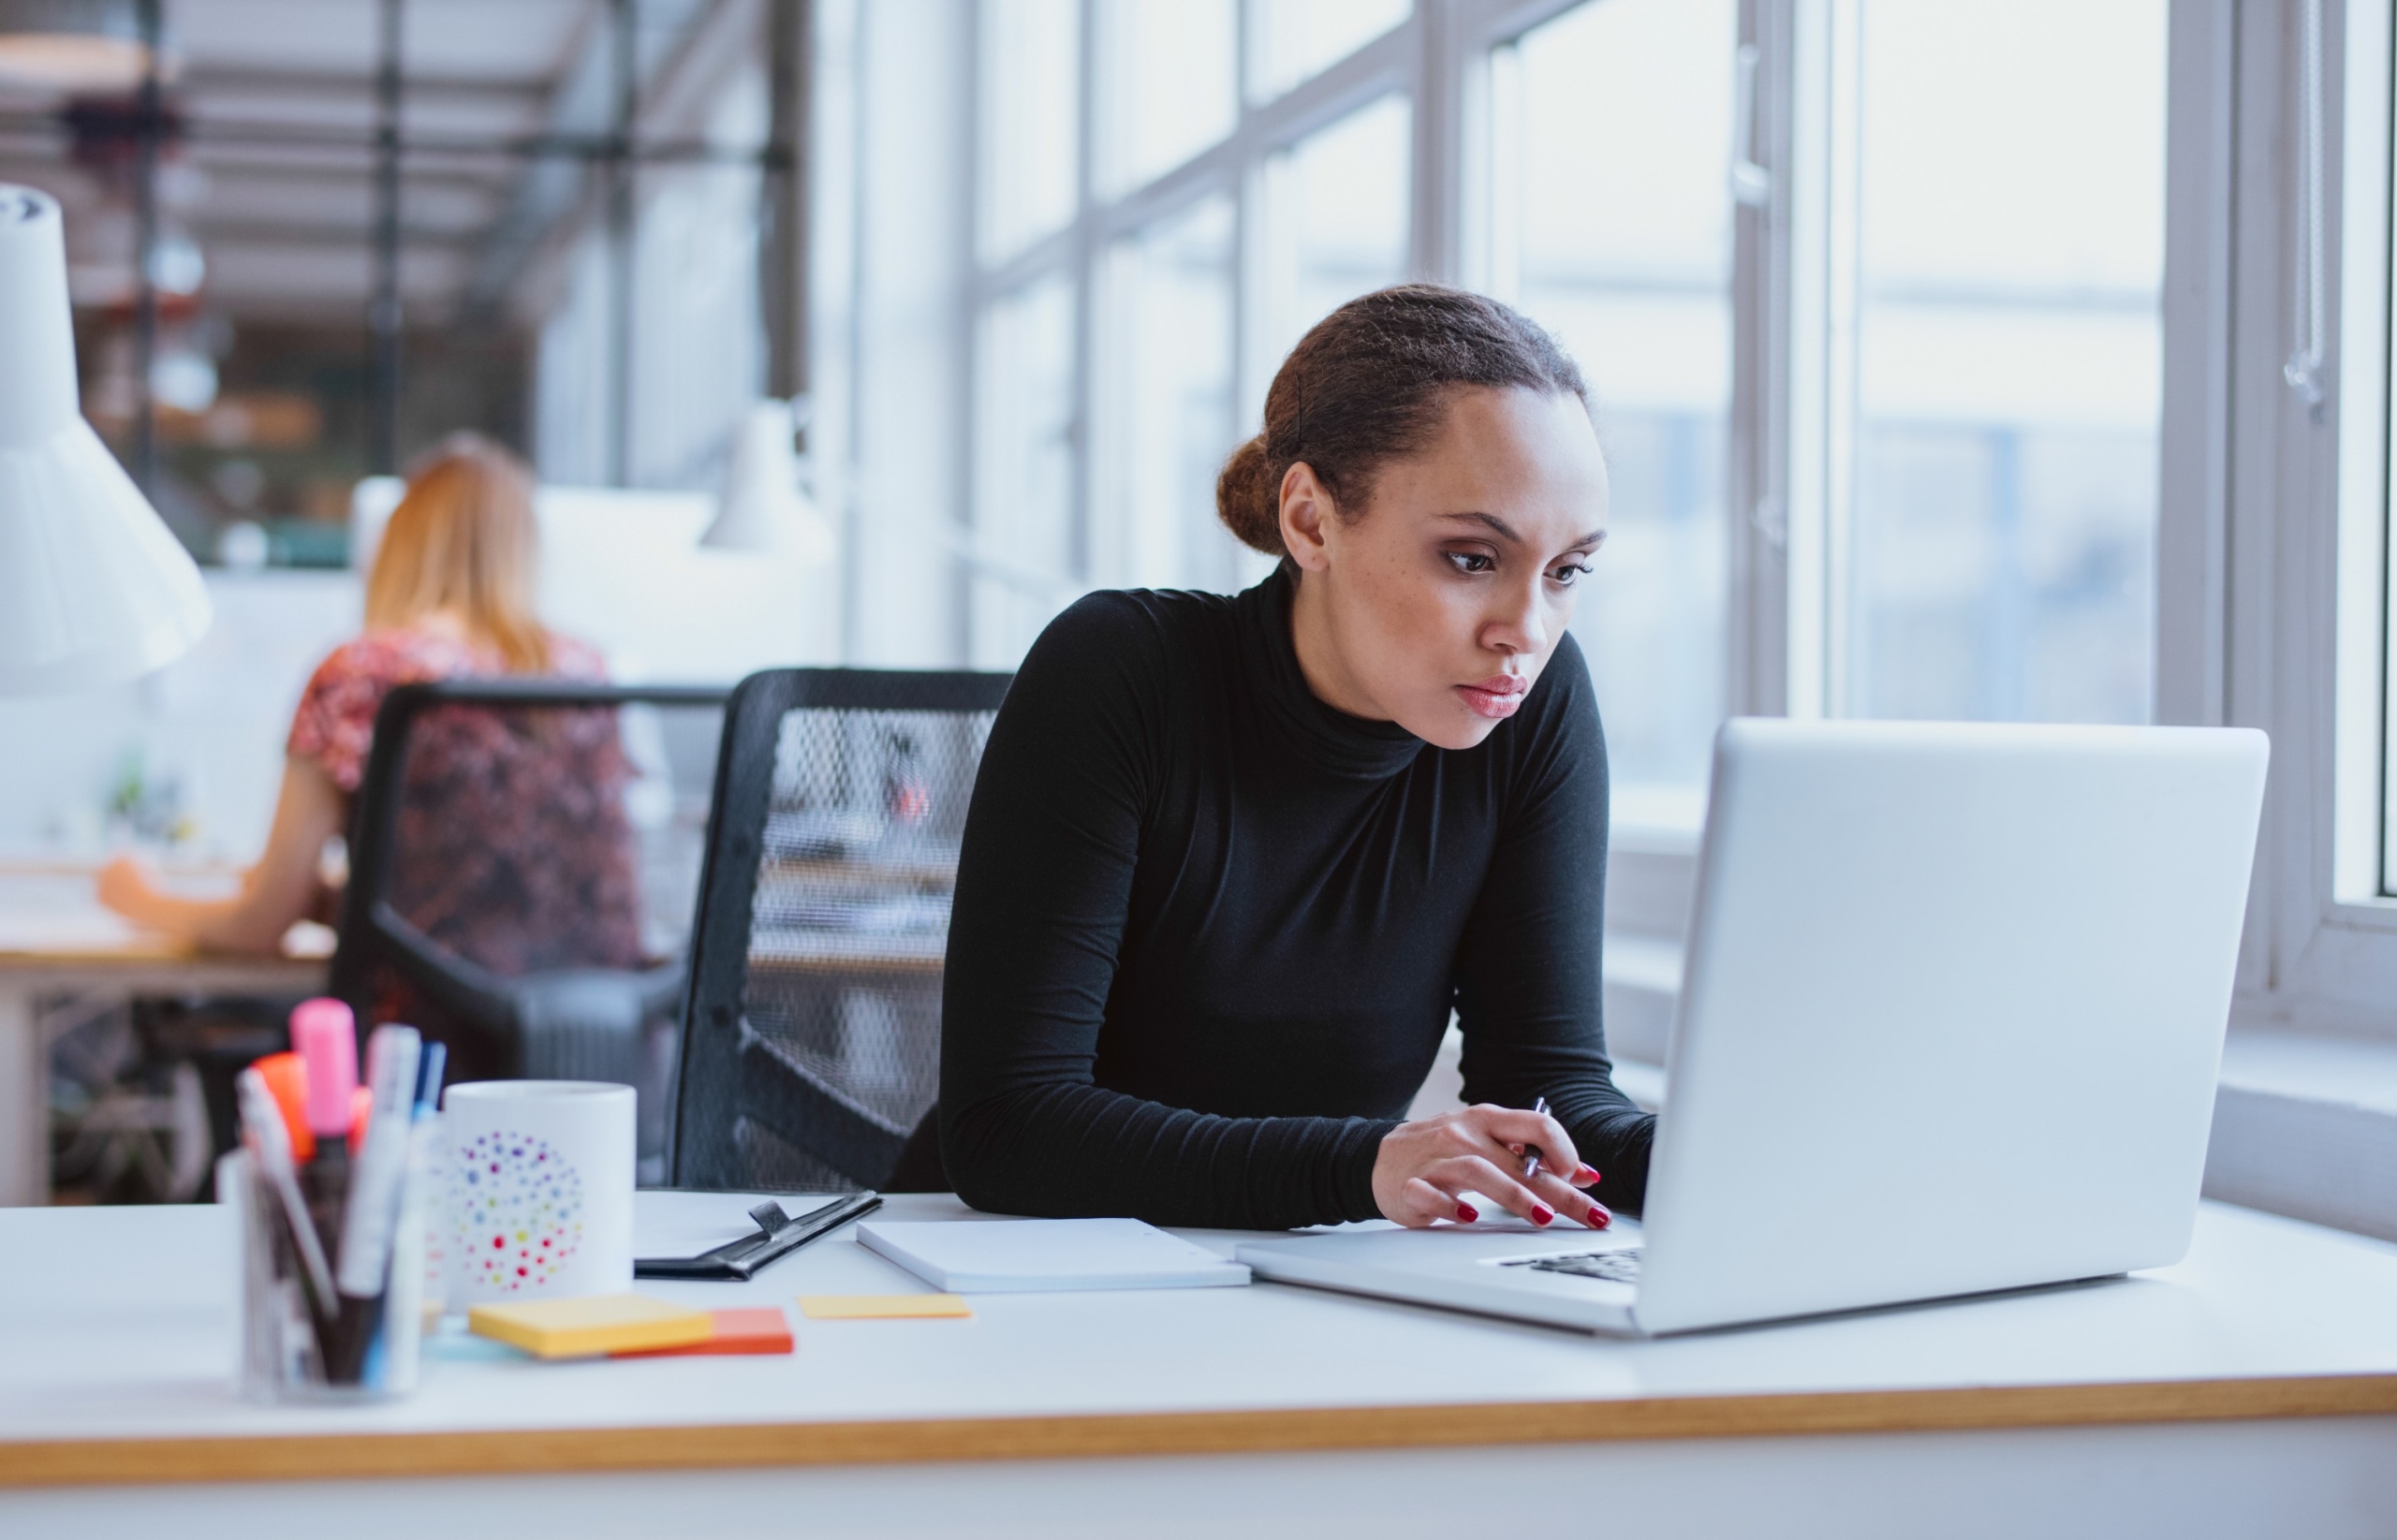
[764, 512]
[93, 587]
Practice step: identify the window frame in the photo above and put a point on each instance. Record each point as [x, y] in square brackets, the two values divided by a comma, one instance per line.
[1233, 168]
[2281, 576]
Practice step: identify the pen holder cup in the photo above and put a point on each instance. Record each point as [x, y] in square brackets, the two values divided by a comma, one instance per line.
[292, 1349]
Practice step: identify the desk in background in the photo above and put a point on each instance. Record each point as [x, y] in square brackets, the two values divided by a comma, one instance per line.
[56, 941]
[2250, 1391]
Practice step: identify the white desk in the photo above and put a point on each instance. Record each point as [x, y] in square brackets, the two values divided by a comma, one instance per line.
[56, 940]
[2251, 1391]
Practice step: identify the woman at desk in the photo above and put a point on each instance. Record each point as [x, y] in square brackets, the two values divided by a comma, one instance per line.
[1232, 861]
[451, 595]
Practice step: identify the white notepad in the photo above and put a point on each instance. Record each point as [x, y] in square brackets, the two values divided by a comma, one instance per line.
[1048, 1256]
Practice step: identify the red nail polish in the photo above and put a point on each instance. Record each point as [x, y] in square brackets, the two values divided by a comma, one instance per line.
[1465, 1213]
[1587, 1176]
[1542, 1214]
[1599, 1217]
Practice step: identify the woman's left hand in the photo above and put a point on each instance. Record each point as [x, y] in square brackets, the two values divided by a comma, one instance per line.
[1424, 1170]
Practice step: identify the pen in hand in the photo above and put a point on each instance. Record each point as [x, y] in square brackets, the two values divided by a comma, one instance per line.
[1597, 1218]
[1531, 1166]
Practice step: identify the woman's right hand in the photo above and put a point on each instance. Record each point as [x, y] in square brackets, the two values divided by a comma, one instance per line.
[1425, 1168]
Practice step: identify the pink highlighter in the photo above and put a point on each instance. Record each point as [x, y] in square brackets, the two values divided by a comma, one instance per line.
[325, 1034]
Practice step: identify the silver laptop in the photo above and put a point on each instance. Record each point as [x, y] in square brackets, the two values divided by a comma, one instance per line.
[1950, 1022]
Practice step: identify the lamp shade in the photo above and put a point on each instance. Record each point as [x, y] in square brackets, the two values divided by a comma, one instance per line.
[94, 589]
[73, 45]
[764, 512]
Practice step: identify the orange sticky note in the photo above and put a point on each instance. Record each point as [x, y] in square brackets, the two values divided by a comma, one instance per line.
[736, 1331]
[882, 1307]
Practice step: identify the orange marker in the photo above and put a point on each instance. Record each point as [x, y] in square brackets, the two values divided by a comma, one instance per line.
[361, 1108]
[287, 1078]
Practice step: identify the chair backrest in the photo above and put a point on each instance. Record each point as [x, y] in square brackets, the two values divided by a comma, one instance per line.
[811, 1048]
[525, 858]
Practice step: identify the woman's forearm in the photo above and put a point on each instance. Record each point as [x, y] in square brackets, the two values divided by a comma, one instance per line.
[1069, 1150]
[237, 924]
[280, 890]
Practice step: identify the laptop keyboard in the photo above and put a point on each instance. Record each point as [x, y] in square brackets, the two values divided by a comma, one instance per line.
[1620, 1266]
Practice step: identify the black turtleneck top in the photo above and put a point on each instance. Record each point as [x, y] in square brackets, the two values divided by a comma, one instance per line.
[1208, 929]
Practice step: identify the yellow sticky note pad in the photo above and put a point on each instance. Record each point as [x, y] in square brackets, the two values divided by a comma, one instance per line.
[583, 1329]
[881, 1307]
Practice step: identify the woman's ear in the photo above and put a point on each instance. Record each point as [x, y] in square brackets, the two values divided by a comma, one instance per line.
[1307, 516]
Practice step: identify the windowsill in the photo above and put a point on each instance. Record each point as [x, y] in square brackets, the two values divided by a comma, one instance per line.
[2304, 1123]
[1643, 980]
[1643, 1083]
[2366, 914]
[1654, 838]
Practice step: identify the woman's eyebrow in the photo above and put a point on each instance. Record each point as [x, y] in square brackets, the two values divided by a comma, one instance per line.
[1506, 532]
[1492, 523]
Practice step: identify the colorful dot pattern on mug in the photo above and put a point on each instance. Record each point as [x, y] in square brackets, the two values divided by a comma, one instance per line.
[519, 1214]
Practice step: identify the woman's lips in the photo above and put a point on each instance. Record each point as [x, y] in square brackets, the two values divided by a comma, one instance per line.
[1496, 697]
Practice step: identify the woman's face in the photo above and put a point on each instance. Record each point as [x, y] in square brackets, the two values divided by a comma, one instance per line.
[1438, 606]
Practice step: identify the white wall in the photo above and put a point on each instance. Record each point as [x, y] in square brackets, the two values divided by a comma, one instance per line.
[625, 571]
[214, 721]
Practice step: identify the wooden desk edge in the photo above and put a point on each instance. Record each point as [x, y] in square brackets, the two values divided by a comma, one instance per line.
[69, 1462]
[105, 962]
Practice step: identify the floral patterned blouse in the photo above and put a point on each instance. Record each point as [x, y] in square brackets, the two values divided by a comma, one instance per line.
[334, 727]
[513, 849]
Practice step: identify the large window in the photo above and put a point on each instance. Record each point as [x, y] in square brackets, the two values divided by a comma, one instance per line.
[1949, 325]
[1997, 550]
[1874, 342]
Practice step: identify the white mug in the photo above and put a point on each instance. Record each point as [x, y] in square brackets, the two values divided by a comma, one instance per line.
[540, 1200]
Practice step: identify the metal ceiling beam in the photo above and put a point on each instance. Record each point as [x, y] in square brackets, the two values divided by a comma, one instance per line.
[275, 232]
[385, 319]
[782, 231]
[553, 189]
[237, 167]
[423, 90]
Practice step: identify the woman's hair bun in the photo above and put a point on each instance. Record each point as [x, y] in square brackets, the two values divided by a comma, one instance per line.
[1248, 498]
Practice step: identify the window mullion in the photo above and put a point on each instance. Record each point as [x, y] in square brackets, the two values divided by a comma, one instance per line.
[2193, 431]
[1436, 212]
[1085, 252]
[1819, 421]
[1248, 254]
[967, 513]
[1756, 658]
[2360, 860]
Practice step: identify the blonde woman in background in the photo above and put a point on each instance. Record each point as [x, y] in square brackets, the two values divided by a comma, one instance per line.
[451, 595]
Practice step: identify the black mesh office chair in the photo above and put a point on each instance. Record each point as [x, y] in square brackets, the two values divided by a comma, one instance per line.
[525, 861]
[811, 1052]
